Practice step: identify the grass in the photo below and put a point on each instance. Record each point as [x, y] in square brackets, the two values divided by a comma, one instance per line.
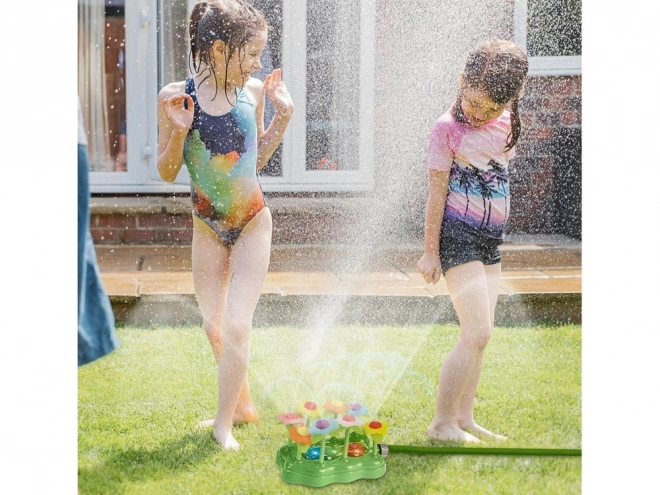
[139, 406]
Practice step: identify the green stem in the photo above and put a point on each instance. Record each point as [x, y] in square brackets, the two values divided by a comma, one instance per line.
[322, 450]
[413, 449]
[347, 440]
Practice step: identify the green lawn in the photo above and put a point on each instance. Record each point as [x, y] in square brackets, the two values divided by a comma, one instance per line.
[139, 406]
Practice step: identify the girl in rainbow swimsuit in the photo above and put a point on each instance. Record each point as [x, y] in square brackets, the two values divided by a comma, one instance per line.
[215, 122]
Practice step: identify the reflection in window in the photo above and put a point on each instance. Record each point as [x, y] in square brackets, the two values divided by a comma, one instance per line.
[333, 84]
[554, 27]
[173, 39]
[102, 81]
[271, 59]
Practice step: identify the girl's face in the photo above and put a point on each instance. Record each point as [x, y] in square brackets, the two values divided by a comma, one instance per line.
[478, 108]
[243, 62]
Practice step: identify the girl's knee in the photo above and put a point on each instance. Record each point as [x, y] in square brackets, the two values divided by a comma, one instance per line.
[477, 338]
[237, 332]
[213, 331]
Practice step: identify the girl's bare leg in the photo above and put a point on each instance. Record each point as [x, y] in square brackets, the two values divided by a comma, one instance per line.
[469, 291]
[249, 263]
[465, 413]
[210, 266]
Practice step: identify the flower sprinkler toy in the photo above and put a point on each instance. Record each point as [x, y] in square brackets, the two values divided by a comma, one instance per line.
[332, 444]
[336, 444]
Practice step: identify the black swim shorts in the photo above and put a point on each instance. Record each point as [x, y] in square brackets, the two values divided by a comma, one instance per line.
[456, 251]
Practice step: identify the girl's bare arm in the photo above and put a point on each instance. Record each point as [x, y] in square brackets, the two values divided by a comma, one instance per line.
[274, 87]
[429, 264]
[174, 120]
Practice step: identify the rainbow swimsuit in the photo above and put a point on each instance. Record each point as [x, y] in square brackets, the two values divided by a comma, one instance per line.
[221, 155]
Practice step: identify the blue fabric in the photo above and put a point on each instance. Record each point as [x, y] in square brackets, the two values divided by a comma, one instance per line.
[96, 322]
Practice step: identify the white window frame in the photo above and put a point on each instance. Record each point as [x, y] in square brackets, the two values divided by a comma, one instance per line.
[542, 66]
[295, 177]
[142, 68]
[141, 94]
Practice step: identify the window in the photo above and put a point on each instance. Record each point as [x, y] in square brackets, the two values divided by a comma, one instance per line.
[551, 34]
[327, 53]
[129, 50]
[117, 85]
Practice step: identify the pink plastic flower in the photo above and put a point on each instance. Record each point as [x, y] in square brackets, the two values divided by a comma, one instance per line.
[291, 418]
[348, 420]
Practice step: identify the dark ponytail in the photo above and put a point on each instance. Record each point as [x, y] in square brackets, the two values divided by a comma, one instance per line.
[196, 16]
[512, 139]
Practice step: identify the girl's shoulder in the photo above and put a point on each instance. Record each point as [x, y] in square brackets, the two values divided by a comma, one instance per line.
[502, 122]
[254, 89]
[171, 89]
[445, 123]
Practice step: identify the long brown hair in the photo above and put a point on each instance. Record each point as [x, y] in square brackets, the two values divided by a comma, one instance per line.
[499, 68]
[234, 22]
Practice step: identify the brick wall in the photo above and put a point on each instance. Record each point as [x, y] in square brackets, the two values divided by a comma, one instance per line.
[550, 107]
[159, 228]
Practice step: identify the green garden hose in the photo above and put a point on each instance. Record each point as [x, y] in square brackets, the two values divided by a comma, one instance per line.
[385, 450]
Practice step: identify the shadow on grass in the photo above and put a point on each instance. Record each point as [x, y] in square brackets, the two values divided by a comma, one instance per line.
[132, 464]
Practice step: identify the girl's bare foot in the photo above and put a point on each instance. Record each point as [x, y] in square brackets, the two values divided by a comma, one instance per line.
[473, 427]
[245, 415]
[449, 432]
[248, 415]
[224, 437]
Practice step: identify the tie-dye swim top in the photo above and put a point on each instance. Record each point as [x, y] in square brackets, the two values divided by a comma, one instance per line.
[221, 155]
[477, 203]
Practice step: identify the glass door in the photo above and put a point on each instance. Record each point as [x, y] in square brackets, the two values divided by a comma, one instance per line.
[117, 69]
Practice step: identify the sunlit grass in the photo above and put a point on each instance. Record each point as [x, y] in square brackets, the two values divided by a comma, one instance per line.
[139, 406]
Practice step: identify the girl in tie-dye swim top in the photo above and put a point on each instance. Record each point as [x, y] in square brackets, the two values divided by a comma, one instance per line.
[221, 155]
[469, 150]
[476, 158]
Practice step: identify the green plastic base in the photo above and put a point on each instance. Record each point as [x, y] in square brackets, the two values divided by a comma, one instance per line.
[336, 469]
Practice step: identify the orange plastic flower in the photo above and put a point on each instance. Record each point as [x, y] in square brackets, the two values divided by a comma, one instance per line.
[300, 435]
[336, 406]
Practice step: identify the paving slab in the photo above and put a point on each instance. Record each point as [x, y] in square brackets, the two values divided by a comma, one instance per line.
[166, 283]
[121, 284]
[542, 285]
[305, 283]
[152, 285]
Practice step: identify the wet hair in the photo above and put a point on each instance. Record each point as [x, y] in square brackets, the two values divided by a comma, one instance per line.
[234, 22]
[499, 68]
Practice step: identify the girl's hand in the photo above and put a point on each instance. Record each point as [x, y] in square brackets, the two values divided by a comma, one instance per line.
[429, 267]
[277, 93]
[180, 117]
